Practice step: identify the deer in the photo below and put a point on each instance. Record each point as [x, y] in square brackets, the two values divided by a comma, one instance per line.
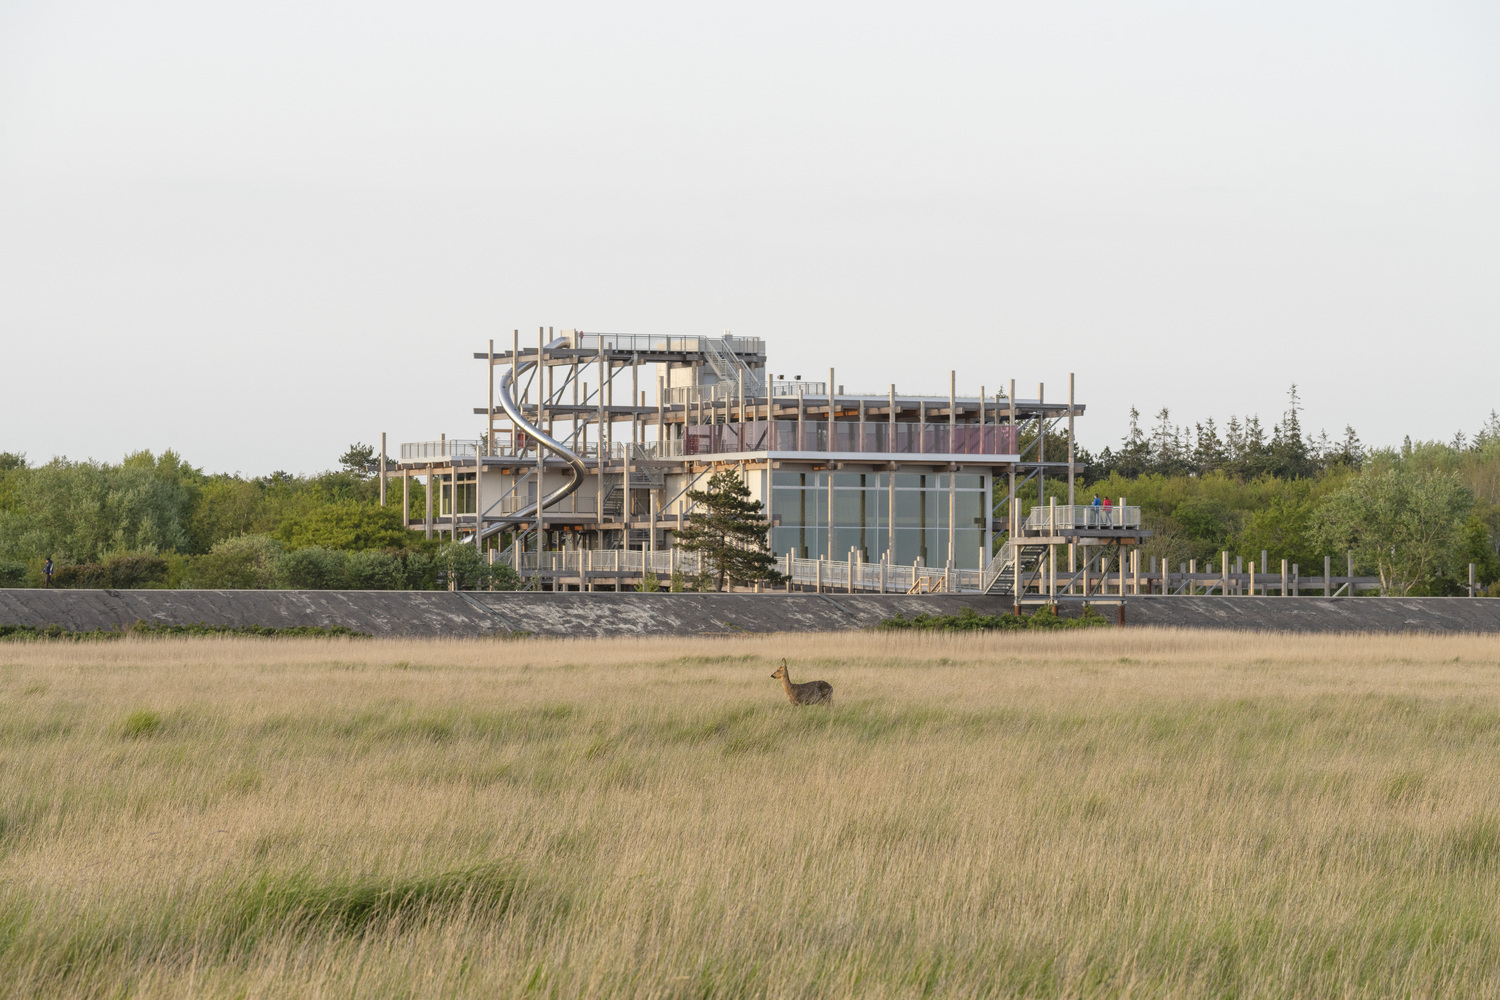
[810, 693]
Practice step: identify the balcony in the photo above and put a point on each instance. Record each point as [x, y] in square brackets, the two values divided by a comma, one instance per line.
[845, 436]
[415, 451]
[1082, 517]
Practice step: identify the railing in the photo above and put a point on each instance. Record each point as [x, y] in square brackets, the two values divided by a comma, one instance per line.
[719, 392]
[829, 574]
[798, 388]
[1082, 516]
[645, 342]
[449, 448]
[846, 436]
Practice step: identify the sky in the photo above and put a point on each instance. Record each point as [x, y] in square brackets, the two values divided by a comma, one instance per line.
[256, 233]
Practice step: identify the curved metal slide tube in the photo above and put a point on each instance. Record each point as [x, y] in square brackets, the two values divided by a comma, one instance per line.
[543, 439]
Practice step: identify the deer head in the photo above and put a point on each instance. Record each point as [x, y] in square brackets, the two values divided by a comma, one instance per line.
[780, 672]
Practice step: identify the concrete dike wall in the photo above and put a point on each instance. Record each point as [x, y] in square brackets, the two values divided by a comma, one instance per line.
[1315, 614]
[472, 614]
[420, 614]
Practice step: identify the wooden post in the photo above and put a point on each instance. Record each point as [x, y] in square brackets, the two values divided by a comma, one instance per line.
[541, 526]
[489, 408]
[1071, 472]
[1285, 588]
[1252, 577]
[1350, 556]
[890, 478]
[953, 472]
[1012, 513]
[1327, 575]
[1224, 573]
[1041, 441]
[1192, 586]
[1473, 586]
[382, 468]
[427, 510]
[405, 498]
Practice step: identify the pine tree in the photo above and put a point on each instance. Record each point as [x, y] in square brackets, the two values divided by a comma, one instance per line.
[729, 530]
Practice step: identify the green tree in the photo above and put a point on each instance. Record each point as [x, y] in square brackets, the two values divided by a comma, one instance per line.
[244, 562]
[358, 460]
[729, 530]
[346, 525]
[313, 568]
[1406, 523]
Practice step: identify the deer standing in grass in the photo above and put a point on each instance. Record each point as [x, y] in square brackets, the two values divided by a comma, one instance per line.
[811, 693]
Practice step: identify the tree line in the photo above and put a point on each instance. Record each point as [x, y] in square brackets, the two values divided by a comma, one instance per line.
[157, 521]
[1416, 515]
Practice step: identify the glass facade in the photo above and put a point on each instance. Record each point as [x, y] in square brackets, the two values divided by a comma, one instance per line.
[459, 497]
[873, 512]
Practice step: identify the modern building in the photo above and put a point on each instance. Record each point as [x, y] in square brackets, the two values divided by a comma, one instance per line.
[592, 443]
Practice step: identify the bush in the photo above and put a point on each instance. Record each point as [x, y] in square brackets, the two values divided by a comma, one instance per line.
[313, 568]
[122, 572]
[13, 574]
[374, 571]
[245, 562]
[347, 525]
[464, 563]
[969, 620]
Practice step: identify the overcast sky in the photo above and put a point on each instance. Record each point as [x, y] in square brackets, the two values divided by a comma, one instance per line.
[258, 232]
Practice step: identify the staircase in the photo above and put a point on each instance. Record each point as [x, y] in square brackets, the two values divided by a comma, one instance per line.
[1004, 580]
[727, 366]
[614, 503]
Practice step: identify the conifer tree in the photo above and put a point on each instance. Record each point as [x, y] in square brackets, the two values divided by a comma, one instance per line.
[729, 530]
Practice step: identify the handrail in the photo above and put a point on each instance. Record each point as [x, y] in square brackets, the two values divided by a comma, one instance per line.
[575, 464]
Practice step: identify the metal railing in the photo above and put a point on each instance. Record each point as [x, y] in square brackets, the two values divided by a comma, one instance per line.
[716, 393]
[1082, 516]
[449, 448]
[829, 574]
[645, 342]
[798, 388]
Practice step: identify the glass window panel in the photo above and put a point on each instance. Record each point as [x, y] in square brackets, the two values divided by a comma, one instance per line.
[908, 509]
[908, 545]
[968, 549]
[907, 481]
[781, 478]
[848, 507]
[966, 481]
[848, 480]
[970, 509]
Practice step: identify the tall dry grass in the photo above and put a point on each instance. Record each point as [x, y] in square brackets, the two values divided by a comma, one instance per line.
[1106, 813]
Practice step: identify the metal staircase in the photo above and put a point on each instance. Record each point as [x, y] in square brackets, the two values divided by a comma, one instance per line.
[727, 366]
[1003, 580]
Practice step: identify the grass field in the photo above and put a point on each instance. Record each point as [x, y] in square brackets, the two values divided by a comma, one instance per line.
[1102, 813]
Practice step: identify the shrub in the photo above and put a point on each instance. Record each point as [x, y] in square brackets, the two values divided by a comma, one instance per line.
[13, 574]
[121, 572]
[464, 563]
[969, 620]
[347, 525]
[374, 571]
[313, 568]
[245, 562]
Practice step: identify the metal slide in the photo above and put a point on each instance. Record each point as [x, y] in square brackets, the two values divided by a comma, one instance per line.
[543, 439]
